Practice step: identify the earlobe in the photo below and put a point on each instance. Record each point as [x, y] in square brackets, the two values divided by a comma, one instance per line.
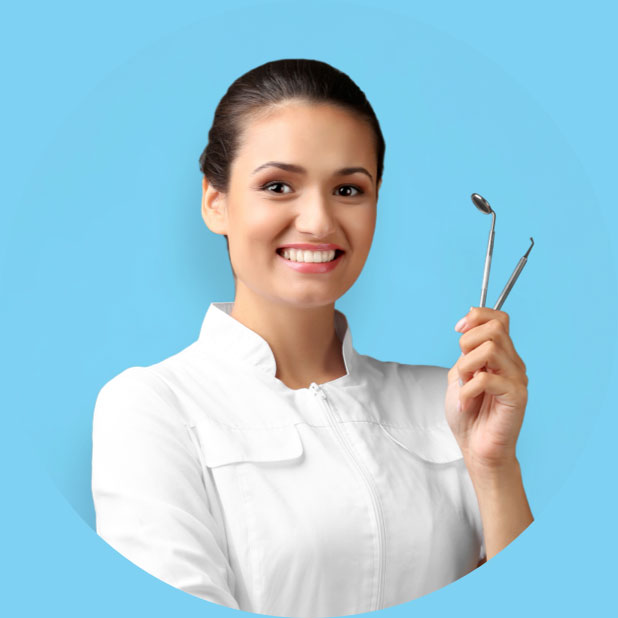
[213, 208]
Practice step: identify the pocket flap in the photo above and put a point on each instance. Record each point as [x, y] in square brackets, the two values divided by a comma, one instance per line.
[435, 444]
[223, 444]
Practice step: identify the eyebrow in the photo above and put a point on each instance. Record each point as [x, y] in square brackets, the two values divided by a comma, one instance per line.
[289, 167]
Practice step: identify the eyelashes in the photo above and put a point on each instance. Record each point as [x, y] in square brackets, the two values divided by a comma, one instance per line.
[272, 183]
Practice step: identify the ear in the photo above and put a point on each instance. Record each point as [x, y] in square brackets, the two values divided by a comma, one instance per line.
[214, 208]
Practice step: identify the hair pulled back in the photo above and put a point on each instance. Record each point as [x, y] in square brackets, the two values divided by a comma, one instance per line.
[267, 86]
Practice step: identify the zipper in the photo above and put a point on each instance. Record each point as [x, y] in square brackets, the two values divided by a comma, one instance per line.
[332, 418]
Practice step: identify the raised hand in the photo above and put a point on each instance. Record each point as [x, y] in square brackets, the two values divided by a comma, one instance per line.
[487, 390]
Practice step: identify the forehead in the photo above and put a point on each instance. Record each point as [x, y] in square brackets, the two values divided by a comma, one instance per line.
[304, 132]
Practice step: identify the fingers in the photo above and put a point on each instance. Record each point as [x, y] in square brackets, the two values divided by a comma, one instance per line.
[491, 356]
[493, 330]
[481, 325]
[479, 315]
[511, 393]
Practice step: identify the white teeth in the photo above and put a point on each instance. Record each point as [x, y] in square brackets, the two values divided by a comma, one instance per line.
[300, 255]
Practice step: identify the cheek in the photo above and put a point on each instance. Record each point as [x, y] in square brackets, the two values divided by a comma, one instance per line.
[362, 228]
[256, 225]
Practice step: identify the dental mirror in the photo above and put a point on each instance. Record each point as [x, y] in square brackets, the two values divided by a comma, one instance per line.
[483, 205]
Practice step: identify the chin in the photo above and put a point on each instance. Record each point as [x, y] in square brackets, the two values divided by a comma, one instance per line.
[308, 300]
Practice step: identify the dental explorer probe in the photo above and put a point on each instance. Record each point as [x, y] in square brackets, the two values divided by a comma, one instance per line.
[483, 205]
[511, 282]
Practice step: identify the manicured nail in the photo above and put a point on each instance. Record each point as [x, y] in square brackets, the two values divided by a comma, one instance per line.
[460, 325]
[460, 382]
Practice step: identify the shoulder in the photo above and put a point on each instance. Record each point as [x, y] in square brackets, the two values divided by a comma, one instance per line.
[415, 391]
[411, 407]
[137, 395]
[157, 385]
[136, 382]
[426, 378]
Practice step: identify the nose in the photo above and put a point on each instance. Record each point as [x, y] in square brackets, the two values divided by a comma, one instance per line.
[316, 216]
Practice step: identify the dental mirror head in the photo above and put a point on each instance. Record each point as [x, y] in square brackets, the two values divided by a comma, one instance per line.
[481, 203]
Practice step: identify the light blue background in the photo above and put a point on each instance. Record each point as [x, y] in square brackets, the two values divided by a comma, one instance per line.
[105, 262]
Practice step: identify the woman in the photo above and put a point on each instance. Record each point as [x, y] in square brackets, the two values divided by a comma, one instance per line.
[270, 467]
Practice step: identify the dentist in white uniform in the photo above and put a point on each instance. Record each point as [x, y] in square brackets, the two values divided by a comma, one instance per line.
[269, 466]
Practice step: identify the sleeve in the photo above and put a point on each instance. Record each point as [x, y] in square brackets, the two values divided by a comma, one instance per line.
[148, 490]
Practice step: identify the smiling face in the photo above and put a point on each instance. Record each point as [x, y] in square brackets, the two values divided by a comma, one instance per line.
[304, 174]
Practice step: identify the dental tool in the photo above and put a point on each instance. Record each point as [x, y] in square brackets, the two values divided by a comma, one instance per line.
[511, 282]
[483, 205]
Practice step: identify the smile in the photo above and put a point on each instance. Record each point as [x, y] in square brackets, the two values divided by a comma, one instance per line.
[304, 255]
[305, 261]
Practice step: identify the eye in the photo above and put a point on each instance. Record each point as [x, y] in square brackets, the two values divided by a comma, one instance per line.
[268, 185]
[272, 184]
[358, 189]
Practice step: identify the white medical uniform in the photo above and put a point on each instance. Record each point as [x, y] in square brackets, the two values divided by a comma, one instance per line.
[345, 497]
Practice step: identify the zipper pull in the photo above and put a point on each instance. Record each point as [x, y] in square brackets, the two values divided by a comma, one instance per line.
[317, 390]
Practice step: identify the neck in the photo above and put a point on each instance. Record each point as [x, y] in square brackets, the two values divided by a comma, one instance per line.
[302, 339]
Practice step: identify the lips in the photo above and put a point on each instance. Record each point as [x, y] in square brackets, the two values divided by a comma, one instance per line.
[311, 247]
[312, 268]
[338, 252]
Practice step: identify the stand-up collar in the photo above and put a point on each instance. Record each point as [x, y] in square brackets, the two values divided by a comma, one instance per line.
[223, 335]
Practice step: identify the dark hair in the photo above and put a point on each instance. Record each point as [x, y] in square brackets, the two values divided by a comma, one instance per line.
[267, 86]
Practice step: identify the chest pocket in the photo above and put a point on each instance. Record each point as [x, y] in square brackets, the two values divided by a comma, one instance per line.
[221, 445]
[435, 444]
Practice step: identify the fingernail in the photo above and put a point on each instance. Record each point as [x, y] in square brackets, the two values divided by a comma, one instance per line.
[460, 382]
[460, 325]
